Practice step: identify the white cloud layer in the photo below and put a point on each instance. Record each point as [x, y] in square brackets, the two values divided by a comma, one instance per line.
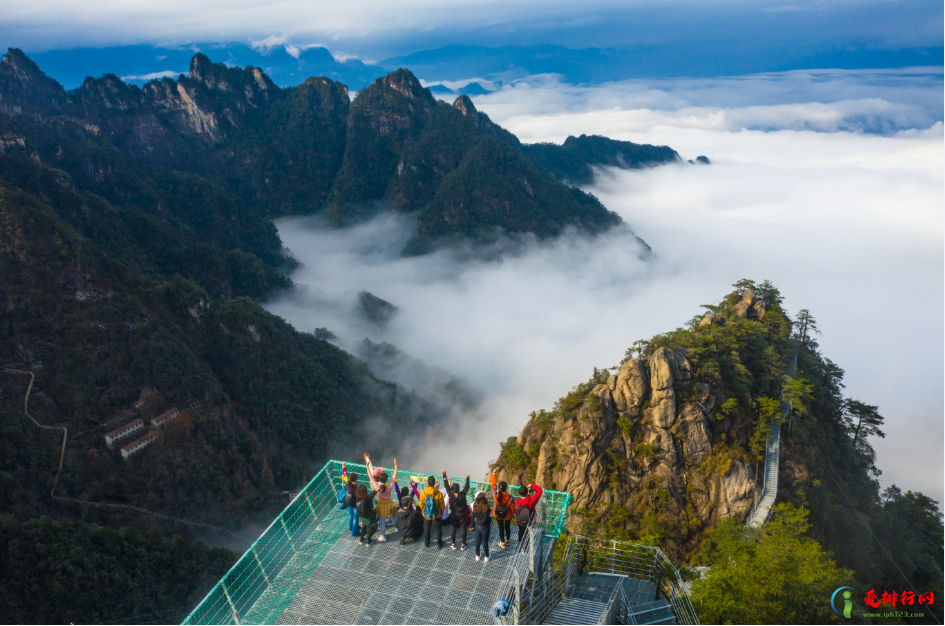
[876, 101]
[154, 75]
[848, 225]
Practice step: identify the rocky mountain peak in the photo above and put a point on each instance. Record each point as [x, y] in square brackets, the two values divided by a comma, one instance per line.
[646, 433]
[24, 86]
[403, 81]
[249, 85]
[466, 106]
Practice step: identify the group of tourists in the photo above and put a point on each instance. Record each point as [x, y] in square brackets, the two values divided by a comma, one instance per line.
[421, 513]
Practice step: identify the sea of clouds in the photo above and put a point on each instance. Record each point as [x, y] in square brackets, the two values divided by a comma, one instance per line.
[829, 184]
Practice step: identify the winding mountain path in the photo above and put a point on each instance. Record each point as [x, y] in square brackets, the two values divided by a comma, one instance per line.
[62, 455]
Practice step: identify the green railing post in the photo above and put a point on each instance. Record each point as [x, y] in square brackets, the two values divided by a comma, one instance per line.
[259, 563]
[236, 615]
[287, 533]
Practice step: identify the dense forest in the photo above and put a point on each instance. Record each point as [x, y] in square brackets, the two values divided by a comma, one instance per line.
[136, 239]
[676, 464]
[57, 572]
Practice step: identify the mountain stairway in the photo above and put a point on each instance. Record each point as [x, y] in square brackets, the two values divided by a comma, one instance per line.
[769, 489]
[659, 612]
[576, 611]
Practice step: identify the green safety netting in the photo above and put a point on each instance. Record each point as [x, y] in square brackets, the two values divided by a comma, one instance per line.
[268, 577]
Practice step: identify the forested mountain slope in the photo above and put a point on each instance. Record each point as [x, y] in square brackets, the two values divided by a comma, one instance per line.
[306, 150]
[669, 451]
[136, 238]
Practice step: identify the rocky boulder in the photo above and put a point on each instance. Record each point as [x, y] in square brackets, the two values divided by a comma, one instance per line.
[630, 386]
[742, 306]
[693, 430]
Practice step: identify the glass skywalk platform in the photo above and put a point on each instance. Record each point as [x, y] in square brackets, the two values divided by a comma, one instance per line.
[307, 569]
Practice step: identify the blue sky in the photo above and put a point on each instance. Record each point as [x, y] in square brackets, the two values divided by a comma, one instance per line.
[713, 37]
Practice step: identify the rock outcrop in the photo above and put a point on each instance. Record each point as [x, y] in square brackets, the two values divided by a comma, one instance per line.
[646, 436]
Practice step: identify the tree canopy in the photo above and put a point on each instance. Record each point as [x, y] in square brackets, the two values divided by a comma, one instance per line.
[775, 574]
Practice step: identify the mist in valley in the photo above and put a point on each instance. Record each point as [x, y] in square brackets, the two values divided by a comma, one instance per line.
[839, 203]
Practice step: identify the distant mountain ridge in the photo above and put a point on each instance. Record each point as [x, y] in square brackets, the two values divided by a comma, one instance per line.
[308, 149]
[138, 64]
[289, 65]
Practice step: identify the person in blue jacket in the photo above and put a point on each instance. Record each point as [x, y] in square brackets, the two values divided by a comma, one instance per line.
[351, 501]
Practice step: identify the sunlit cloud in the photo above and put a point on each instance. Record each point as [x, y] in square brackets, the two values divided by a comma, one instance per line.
[154, 76]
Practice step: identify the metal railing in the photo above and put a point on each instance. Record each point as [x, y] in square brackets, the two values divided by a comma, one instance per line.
[644, 574]
[269, 575]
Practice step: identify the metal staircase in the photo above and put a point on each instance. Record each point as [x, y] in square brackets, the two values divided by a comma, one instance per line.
[769, 490]
[594, 581]
[576, 611]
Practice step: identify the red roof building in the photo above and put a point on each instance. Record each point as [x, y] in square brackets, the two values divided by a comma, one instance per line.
[138, 444]
[168, 415]
[123, 431]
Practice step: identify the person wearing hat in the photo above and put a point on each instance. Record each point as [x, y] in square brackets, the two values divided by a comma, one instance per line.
[432, 507]
[409, 520]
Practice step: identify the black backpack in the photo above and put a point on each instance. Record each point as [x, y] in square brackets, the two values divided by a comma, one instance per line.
[502, 509]
[366, 507]
[523, 515]
[350, 500]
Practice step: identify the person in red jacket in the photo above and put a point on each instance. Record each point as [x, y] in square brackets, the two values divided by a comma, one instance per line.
[525, 508]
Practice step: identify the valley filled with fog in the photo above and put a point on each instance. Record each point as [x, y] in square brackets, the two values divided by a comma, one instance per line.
[838, 201]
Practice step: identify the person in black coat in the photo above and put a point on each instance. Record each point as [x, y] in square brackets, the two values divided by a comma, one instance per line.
[366, 514]
[459, 508]
[409, 521]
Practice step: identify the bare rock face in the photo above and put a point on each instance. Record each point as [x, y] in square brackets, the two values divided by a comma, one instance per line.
[734, 493]
[741, 308]
[759, 309]
[631, 385]
[662, 411]
[693, 431]
[613, 452]
[662, 366]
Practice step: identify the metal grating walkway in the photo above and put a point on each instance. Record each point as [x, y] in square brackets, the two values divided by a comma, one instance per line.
[306, 568]
[386, 583]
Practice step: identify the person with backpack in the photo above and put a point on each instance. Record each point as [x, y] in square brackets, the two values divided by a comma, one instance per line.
[504, 510]
[459, 511]
[525, 509]
[433, 506]
[409, 520]
[386, 506]
[482, 517]
[367, 515]
[350, 501]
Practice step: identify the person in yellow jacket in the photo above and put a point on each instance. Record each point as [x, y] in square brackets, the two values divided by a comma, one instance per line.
[432, 507]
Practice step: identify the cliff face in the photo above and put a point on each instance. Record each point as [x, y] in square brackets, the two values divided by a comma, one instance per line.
[651, 445]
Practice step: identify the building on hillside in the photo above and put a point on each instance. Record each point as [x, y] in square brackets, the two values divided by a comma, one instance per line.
[124, 431]
[138, 444]
[168, 415]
